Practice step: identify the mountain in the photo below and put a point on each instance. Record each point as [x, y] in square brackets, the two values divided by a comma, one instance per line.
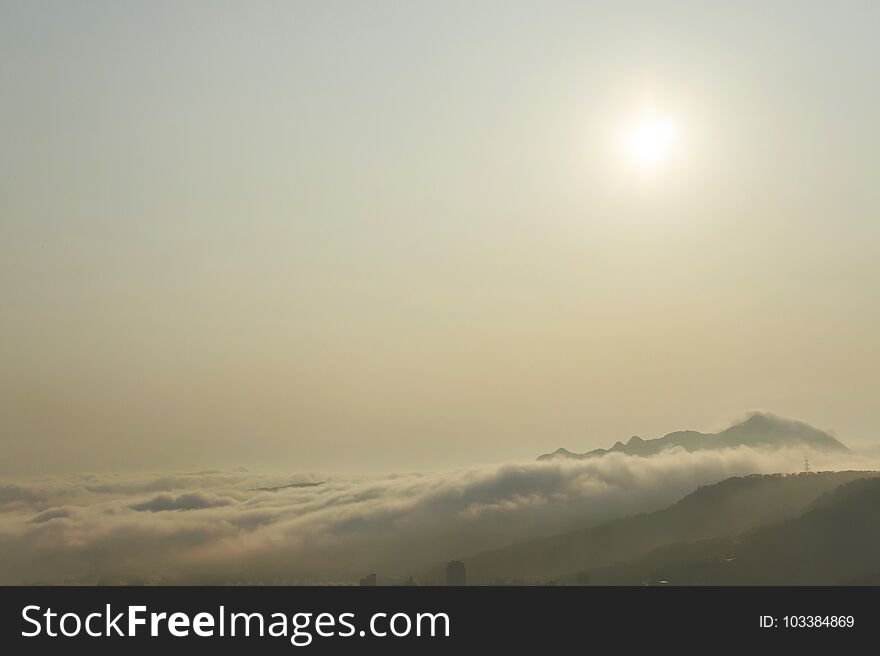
[759, 429]
[835, 542]
[724, 509]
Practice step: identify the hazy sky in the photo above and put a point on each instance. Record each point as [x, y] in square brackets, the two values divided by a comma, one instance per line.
[379, 235]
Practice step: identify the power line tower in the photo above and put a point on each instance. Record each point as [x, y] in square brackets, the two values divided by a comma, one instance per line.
[806, 464]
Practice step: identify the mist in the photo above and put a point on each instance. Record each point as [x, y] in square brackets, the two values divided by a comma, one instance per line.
[220, 527]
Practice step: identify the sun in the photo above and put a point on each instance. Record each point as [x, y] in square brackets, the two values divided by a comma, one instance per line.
[651, 141]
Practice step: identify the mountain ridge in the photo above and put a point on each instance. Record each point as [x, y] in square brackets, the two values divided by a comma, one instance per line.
[759, 429]
[834, 542]
[720, 510]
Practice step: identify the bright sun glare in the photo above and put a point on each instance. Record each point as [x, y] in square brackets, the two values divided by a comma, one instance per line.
[651, 141]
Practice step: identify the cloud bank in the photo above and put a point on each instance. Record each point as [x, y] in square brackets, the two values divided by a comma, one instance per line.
[218, 527]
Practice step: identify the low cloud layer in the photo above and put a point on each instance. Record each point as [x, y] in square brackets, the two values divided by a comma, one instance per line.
[219, 527]
[189, 501]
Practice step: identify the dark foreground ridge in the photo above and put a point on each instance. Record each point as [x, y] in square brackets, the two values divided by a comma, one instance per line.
[721, 512]
[835, 542]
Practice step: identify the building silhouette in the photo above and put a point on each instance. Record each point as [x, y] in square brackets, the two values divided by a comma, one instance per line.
[369, 579]
[455, 573]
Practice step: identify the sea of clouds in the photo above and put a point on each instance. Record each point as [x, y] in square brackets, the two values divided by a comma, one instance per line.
[242, 527]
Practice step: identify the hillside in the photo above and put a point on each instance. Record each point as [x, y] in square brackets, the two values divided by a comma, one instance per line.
[724, 509]
[836, 541]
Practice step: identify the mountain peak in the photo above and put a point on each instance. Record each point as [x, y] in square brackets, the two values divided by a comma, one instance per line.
[758, 429]
[760, 419]
[768, 421]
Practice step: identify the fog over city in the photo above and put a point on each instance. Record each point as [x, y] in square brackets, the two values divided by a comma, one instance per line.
[219, 526]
